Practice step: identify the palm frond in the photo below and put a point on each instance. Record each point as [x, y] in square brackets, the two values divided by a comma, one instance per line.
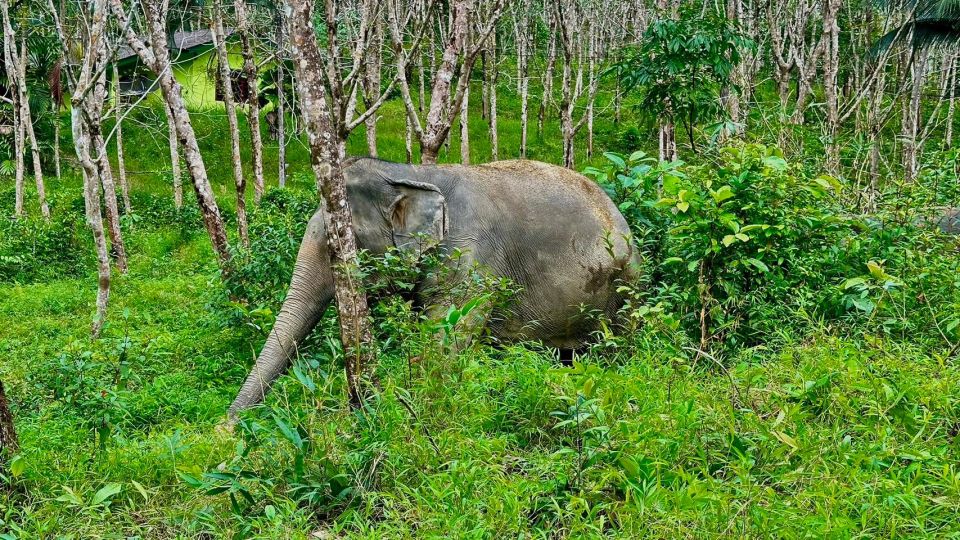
[922, 34]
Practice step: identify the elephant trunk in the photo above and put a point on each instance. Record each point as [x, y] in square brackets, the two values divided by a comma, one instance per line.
[311, 290]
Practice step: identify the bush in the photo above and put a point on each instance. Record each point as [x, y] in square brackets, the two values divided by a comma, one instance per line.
[32, 249]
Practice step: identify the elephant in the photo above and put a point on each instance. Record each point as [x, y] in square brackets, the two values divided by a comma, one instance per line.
[551, 231]
[949, 221]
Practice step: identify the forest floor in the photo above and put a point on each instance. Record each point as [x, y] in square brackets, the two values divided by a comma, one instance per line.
[824, 435]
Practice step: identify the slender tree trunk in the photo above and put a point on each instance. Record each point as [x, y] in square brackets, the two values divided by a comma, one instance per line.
[174, 159]
[86, 109]
[102, 159]
[19, 147]
[437, 127]
[253, 101]
[121, 165]
[831, 65]
[9, 445]
[874, 127]
[951, 105]
[911, 122]
[325, 156]
[520, 29]
[223, 79]
[465, 129]
[56, 141]
[668, 141]
[156, 57]
[281, 101]
[548, 78]
[27, 118]
[371, 83]
[493, 79]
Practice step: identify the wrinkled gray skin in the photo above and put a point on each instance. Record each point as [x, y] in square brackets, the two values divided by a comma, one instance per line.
[949, 222]
[544, 227]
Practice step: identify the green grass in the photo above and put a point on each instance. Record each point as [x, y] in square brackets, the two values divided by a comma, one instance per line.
[828, 435]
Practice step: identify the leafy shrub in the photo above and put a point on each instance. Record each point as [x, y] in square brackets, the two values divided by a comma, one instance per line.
[32, 249]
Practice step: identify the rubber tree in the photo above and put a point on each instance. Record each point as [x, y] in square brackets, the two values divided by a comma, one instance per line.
[329, 244]
[154, 53]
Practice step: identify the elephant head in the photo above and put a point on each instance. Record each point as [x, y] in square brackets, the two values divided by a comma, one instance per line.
[408, 214]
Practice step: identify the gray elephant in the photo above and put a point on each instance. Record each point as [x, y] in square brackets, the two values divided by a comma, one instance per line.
[949, 221]
[554, 233]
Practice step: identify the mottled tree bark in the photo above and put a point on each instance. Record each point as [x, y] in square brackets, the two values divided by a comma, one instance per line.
[522, 36]
[492, 80]
[371, 88]
[457, 57]
[253, 98]
[547, 96]
[9, 445]
[15, 66]
[281, 102]
[121, 165]
[156, 57]
[465, 129]
[174, 146]
[326, 153]
[86, 109]
[911, 113]
[98, 149]
[831, 65]
[226, 87]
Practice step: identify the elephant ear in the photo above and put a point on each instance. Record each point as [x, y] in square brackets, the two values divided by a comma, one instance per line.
[418, 215]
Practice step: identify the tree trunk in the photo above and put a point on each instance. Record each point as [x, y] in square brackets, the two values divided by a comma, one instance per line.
[831, 35]
[492, 80]
[9, 445]
[520, 28]
[437, 126]
[951, 105]
[156, 57]
[548, 77]
[371, 90]
[281, 100]
[325, 155]
[465, 129]
[105, 175]
[56, 141]
[223, 79]
[27, 116]
[253, 101]
[19, 148]
[15, 64]
[85, 112]
[911, 117]
[121, 166]
[174, 159]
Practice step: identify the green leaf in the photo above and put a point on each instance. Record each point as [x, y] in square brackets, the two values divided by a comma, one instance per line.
[742, 237]
[18, 466]
[683, 206]
[630, 465]
[70, 496]
[291, 434]
[616, 159]
[786, 439]
[143, 491]
[758, 264]
[671, 260]
[722, 194]
[876, 270]
[776, 163]
[104, 494]
[852, 282]
[728, 239]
